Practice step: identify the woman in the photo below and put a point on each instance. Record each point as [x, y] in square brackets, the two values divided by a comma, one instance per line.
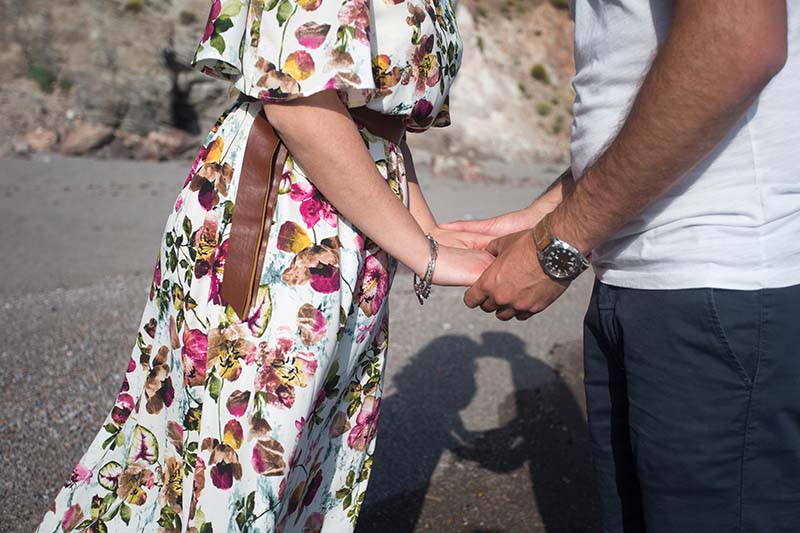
[266, 421]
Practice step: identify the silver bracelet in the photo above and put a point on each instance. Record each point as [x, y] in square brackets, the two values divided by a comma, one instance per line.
[422, 287]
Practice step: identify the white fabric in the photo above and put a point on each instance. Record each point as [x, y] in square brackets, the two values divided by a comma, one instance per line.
[733, 222]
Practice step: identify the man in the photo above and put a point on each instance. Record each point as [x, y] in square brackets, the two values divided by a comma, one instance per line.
[685, 151]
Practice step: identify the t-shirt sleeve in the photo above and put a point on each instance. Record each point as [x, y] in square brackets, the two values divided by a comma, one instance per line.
[277, 50]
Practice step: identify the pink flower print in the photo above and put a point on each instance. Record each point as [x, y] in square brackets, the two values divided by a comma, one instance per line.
[325, 278]
[72, 517]
[366, 424]
[374, 285]
[421, 114]
[314, 523]
[237, 403]
[154, 286]
[313, 206]
[80, 474]
[224, 461]
[222, 475]
[426, 66]
[210, 255]
[201, 156]
[206, 240]
[311, 323]
[193, 354]
[272, 359]
[217, 267]
[311, 35]
[364, 331]
[312, 489]
[355, 13]
[216, 7]
[122, 409]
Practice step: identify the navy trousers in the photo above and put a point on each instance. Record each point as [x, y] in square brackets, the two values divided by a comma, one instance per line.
[693, 401]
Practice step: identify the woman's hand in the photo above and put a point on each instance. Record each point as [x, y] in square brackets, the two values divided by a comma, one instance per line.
[501, 225]
[460, 267]
[521, 219]
[461, 239]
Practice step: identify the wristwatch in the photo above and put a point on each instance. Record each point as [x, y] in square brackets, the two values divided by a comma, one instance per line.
[559, 259]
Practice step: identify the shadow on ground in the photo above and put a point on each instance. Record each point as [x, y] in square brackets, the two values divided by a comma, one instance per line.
[533, 473]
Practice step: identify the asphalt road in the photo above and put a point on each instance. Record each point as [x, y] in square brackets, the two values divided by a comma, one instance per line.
[482, 425]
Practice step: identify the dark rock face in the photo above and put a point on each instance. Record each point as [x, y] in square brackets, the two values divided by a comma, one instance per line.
[74, 65]
[97, 73]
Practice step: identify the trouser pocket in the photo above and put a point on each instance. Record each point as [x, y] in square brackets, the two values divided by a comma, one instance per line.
[737, 320]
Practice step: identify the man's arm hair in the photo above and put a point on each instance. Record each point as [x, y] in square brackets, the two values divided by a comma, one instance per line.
[717, 58]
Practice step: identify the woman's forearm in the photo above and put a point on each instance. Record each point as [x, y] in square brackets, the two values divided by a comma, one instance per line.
[417, 204]
[554, 194]
[324, 140]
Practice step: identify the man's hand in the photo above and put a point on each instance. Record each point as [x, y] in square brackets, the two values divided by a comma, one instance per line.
[514, 285]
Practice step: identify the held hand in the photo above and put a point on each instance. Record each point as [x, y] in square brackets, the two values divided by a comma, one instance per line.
[460, 267]
[502, 224]
[461, 239]
[514, 285]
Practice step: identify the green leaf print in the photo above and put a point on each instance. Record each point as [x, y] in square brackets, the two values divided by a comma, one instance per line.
[144, 446]
[125, 513]
[250, 503]
[108, 475]
[218, 42]
[285, 10]
[332, 380]
[227, 215]
[231, 8]
[222, 24]
[83, 525]
[207, 528]
[271, 5]
[112, 440]
[255, 33]
[214, 387]
[169, 519]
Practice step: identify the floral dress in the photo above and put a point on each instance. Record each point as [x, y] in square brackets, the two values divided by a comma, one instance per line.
[267, 423]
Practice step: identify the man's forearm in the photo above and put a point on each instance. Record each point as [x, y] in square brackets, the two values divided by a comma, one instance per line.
[718, 57]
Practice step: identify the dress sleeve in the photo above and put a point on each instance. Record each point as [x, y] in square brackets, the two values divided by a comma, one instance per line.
[277, 50]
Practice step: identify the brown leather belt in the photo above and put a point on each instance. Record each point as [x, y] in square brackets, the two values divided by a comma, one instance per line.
[257, 195]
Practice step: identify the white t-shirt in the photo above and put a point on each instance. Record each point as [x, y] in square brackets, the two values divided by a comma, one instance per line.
[734, 221]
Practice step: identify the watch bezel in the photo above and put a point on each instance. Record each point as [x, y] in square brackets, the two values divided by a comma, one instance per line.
[571, 272]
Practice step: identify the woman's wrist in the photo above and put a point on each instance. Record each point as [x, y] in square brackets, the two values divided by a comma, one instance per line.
[419, 255]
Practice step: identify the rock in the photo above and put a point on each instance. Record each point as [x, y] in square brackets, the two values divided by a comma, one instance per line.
[20, 148]
[172, 142]
[41, 139]
[83, 137]
[444, 166]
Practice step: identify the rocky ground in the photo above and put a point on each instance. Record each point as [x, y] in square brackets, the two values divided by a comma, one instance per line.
[110, 78]
[482, 426]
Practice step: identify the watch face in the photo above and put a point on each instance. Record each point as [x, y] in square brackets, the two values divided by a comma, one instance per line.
[561, 263]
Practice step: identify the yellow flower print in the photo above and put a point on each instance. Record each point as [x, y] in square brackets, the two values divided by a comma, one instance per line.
[299, 65]
[226, 348]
